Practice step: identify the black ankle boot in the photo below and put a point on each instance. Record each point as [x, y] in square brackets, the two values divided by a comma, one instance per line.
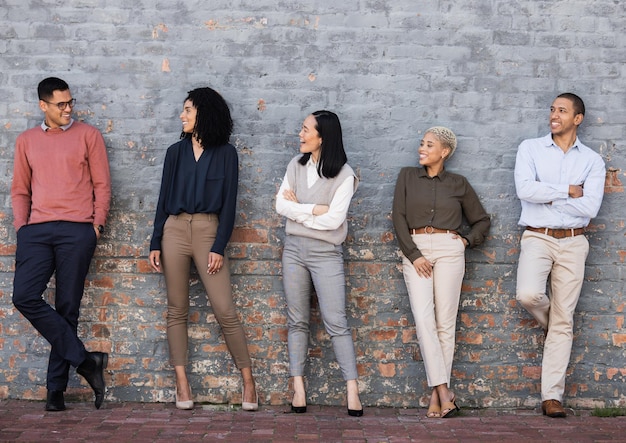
[92, 369]
[55, 401]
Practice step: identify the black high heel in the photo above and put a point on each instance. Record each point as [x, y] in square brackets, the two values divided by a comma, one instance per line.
[449, 408]
[355, 412]
[298, 409]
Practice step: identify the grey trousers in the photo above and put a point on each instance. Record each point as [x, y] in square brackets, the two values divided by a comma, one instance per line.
[315, 264]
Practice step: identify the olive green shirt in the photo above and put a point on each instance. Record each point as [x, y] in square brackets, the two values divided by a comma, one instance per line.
[441, 202]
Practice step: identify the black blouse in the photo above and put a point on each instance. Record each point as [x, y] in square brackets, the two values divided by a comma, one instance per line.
[206, 186]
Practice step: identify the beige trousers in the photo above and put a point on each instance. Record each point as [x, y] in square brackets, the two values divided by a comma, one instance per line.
[189, 237]
[549, 280]
[435, 301]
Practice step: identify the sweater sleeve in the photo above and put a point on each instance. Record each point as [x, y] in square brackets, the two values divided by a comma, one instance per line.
[20, 188]
[100, 176]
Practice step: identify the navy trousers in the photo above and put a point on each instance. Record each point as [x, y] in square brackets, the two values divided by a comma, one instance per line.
[64, 248]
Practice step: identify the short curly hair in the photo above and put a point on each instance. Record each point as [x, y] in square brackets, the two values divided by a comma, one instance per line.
[445, 136]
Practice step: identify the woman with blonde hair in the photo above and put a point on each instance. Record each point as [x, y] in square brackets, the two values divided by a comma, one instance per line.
[428, 209]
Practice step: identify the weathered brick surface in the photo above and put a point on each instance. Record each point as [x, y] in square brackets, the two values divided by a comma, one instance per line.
[487, 69]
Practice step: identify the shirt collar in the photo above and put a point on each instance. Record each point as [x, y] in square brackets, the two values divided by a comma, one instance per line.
[421, 172]
[45, 127]
[311, 164]
[550, 142]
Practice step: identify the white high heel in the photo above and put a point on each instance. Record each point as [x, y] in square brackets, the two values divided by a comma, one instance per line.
[249, 406]
[185, 404]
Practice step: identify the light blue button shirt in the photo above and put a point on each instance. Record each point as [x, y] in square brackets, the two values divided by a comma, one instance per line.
[45, 127]
[543, 173]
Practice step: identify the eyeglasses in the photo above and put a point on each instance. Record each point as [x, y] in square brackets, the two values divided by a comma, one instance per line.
[62, 105]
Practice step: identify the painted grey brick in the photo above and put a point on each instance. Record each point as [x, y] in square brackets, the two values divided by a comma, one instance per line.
[488, 70]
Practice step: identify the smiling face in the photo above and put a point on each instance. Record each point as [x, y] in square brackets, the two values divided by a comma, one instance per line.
[188, 117]
[432, 152]
[563, 118]
[310, 140]
[55, 117]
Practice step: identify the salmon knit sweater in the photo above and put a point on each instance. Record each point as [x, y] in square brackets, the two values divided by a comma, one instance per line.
[60, 176]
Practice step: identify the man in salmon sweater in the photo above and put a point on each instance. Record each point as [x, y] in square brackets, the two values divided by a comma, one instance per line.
[61, 194]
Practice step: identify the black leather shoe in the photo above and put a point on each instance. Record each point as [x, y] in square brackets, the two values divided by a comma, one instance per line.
[92, 369]
[55, 401]
[298, 409]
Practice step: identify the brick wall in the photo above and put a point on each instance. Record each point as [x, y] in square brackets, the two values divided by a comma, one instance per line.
[390, 69]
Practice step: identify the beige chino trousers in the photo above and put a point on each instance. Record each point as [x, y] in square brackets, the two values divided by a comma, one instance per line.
[189, 237]
[558, 265]
[435, 301]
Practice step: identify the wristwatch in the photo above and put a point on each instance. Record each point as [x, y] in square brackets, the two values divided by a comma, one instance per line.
[100, 228]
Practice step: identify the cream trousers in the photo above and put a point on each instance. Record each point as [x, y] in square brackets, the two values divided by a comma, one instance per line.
[435, 301]
[549, 279]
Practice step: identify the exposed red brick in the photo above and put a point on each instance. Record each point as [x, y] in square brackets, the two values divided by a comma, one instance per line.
[387, 370]
[378, 336]
[532, 372]
[119, 363]
[387, 237]
[100, 331]
[619, 339]
[100, 281]
[611, 372]
[7, 249]
[470, 337]
[144, 267]
[408, 335]
[466, 319]
[249, 235]
[612, 183]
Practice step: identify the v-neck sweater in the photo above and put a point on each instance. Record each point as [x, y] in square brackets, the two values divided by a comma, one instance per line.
[321, 193]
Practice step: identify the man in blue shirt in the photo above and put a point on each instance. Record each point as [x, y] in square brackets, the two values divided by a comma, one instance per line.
[560, 183]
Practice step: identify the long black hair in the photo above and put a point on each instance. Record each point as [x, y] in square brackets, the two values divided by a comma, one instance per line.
[214, 124]
[332, 155]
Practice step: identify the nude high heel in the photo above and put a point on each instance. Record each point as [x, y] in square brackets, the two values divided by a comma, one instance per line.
[249, 406]
[185, 404]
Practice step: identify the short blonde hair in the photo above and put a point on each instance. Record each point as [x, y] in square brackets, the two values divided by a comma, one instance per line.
[445, 136]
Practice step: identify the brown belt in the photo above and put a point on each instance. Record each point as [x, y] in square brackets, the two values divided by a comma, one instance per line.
[431, 230]
[558, 233]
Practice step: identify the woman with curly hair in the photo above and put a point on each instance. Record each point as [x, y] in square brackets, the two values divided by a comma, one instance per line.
[194, 220]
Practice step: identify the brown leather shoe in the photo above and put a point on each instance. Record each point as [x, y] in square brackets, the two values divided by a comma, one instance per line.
[553, 408]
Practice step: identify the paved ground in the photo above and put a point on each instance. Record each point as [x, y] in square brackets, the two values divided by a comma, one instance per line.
[22, 420]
